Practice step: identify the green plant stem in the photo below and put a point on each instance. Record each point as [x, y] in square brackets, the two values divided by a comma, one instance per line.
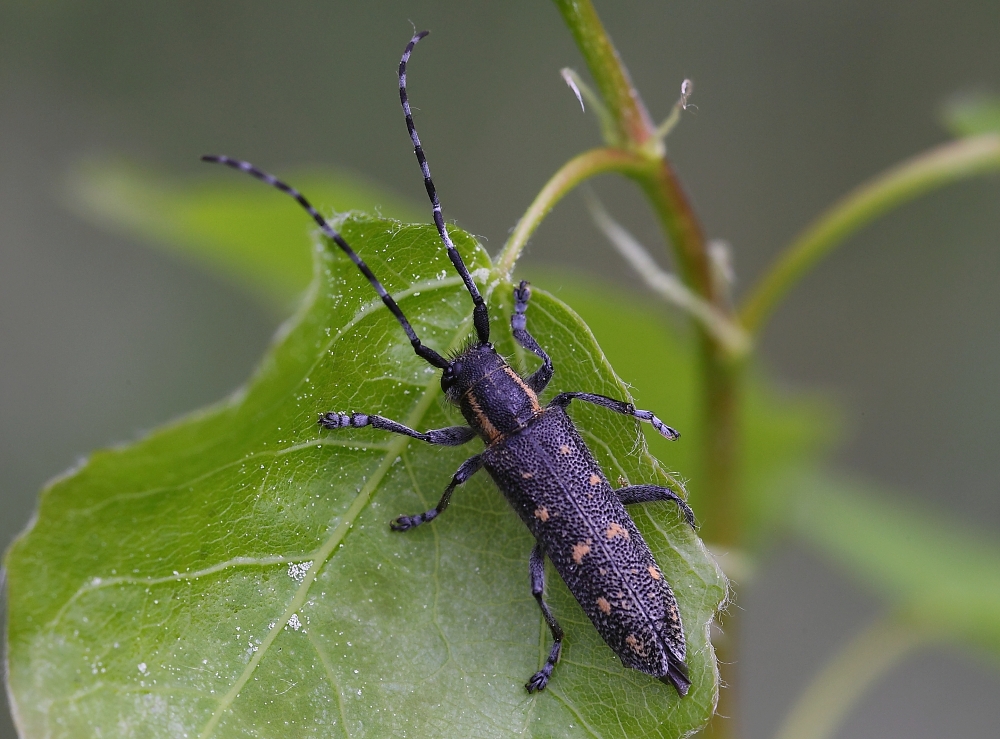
[633, 122]
[721, 371]
[678, 219]
[575, 171]
[721, 449]
[940, 166]
[838, 686]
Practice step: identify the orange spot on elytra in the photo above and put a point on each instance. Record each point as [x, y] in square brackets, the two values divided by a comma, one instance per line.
[595, 479]
[603, 604]
[564, 449]
[580, 550]
[615, 530]
[654, 573]
[636, 645]
[542, 514]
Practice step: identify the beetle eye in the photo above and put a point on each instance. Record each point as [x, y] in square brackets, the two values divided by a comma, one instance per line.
[450, 374]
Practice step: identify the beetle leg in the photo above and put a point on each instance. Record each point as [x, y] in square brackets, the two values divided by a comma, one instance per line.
[536, 567]
[451, 436]
[653, 493]
[518, 322]
[469, 467]
[618, 406]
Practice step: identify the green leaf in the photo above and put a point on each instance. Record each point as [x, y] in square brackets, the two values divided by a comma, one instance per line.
[227, 224]
[234, 574]
[971, 115]
[939, 575]
[781, 433]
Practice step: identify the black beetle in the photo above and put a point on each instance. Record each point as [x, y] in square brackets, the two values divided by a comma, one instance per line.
[539, 461]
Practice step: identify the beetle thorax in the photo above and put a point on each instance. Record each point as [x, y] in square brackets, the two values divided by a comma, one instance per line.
[494, 399]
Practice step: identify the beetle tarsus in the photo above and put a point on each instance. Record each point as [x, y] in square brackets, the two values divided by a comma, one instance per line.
[541, 678]
[405, 523]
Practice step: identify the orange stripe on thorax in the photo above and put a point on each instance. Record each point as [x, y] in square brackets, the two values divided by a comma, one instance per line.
[535, 406]
[488, 428]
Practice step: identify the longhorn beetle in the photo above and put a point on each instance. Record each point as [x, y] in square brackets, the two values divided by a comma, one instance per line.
[539, 461]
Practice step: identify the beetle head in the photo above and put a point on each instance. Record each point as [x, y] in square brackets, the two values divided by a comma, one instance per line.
[468, 366]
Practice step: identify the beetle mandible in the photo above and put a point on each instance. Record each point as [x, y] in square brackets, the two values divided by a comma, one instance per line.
[541, 464]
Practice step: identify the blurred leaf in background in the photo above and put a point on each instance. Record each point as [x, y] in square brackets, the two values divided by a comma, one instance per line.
[233, 228]
[939, 576]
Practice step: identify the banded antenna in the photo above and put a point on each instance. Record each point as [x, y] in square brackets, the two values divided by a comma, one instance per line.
[480, 317]
[428, 354]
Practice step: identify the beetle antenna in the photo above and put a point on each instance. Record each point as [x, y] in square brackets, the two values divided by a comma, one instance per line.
[480, 317]
[428, 354]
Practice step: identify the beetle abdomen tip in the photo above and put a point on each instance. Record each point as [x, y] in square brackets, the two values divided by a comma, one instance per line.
[677, 676]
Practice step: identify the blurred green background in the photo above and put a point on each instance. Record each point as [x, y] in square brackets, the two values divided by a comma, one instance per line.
[101, 338]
